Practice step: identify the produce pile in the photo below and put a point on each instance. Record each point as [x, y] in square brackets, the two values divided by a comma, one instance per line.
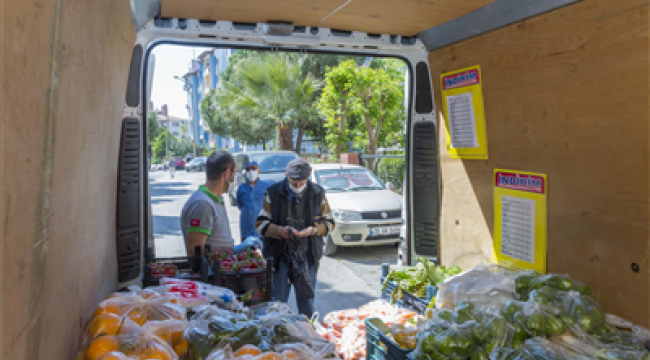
[151, 324]
[545, 318]
[250, 260]
[414, 279]
[346, 328]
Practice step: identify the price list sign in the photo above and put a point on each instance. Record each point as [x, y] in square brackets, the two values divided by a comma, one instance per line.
[520, 219]
[462, 94]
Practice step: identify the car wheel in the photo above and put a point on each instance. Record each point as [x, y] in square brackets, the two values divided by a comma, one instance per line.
[329, 248]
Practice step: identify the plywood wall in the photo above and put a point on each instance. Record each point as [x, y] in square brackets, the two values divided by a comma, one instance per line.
[64, 71]
[566, 94]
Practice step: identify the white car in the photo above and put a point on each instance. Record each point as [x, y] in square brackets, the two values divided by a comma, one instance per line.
[365, 211]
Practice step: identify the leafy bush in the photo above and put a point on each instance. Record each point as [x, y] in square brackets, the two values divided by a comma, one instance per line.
[391, 170]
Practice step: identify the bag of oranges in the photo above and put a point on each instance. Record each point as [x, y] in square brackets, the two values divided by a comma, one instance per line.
[144, 346]
[151, 306]
[173, 332]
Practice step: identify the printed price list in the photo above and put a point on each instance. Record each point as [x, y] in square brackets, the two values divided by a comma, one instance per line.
[518, 228]
[462, 125]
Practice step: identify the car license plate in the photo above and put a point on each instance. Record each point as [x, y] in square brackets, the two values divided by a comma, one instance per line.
[384, 230]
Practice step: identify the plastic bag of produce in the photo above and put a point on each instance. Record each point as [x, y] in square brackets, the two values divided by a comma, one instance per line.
[173, 332]
[187, 299]
[633, 335]
[303, 352]
[529, 281]
[223, 297]
[271, 308]
[216, 332]
[145, 345]
[140, 310]
[205, 312]
[442, 340]
[579, 343]
[490, 286]
[533, 319]
[533, 349]
[585, 311]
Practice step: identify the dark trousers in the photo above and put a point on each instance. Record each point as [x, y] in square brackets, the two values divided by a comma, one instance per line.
[282, 287]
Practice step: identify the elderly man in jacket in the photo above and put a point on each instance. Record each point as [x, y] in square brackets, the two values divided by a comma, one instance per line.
[294, 218]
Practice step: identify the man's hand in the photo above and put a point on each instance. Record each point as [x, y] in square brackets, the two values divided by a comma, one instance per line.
[305, 232]
[283, 231]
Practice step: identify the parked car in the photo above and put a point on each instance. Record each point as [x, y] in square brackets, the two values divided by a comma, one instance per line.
[366, 211]
[197, 164]
[180, 163]
[272, 166]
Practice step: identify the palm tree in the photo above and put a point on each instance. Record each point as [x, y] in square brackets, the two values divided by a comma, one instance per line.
[276, 89]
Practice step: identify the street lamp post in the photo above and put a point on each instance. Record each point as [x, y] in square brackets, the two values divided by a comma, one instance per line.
[193, 133]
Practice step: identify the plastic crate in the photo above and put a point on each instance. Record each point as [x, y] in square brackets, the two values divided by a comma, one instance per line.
[408, 300]
[260, 282]
[197, 268]
[378, 345]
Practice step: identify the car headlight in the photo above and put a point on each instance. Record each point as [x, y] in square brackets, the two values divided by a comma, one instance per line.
[344, 215]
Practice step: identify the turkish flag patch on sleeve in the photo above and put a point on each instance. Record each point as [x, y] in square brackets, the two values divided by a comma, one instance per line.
[195, 222]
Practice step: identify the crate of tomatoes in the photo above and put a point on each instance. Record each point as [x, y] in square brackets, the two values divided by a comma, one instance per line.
[247, 274]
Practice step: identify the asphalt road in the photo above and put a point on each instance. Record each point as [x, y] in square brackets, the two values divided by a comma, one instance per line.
[347, 280]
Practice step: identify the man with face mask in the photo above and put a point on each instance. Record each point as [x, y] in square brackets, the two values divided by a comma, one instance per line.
[204, 219]
[294, 218]
[250, 196]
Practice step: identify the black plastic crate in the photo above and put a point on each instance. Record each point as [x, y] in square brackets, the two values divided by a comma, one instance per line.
[378, 345]
[408, 300]
[260, 282]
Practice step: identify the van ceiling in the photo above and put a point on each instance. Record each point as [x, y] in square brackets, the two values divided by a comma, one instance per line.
[395, 17]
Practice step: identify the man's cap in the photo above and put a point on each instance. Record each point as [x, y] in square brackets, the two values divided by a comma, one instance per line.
[252, 163]
[298, 169]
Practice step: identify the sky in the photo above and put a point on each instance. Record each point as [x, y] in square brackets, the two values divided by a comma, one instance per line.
[172, 60]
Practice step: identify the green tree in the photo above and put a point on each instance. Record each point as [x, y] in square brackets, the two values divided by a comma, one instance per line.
[264, 91]
[153, 127]
[160, 146]
[374, 94]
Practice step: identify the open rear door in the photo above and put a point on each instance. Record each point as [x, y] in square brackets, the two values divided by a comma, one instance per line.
[130, 231]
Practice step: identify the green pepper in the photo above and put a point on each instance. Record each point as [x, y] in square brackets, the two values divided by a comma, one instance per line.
[520, 333]
[497, 326]
[582, 288]
[454, 344]
[554, 325]
[510, 309]
[538, 297]
[462, 316]
[481, 333]
[522, 282]
[517, 343]
[585, 322]
[428, 344]
[446, 315]
[567, 320]
[480, 354]
[491, 345]
[597, 316]
[535, 323]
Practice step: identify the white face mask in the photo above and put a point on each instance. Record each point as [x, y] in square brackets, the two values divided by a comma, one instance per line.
[296, 190]
[252, 175]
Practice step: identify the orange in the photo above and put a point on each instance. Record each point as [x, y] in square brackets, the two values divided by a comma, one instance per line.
[101, 346]
[177, 336]
[181, 348]
[104, 324]
[153, 350]
[248, 350]
[268, 356]
[114, 355]
[164, 334]
[290, 354]
[107, 309]
[138, 316]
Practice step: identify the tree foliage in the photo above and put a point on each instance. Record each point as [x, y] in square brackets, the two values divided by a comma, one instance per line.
[153, 127]
[364, 105]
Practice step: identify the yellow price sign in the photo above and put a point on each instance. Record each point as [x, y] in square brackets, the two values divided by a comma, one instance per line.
[462, 103]
[520, 219]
